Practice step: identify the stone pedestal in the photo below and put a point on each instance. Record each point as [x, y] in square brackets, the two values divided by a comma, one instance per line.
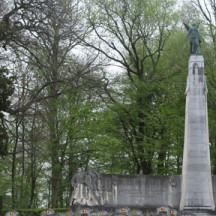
[197, 193]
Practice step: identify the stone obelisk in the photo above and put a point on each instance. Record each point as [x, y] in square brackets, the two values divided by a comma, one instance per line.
[197, 192]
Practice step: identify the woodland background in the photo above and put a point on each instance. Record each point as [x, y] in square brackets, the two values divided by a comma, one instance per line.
[95, 84]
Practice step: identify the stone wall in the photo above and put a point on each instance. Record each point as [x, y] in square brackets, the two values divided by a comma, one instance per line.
[139, 190]
[136, 191]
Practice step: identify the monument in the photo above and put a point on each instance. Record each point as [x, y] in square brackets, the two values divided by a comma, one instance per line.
[197, 190]
[193, 192]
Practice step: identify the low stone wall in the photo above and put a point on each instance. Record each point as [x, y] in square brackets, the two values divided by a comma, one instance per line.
[133, 191]
[139, 190]
[136, 191]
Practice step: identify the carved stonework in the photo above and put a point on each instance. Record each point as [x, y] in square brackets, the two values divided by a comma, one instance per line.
[88, 189]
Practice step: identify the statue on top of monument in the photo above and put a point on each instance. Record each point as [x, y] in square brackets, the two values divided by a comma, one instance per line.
[193, 35]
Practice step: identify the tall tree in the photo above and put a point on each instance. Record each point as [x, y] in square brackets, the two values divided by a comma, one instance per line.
[55, 70]
[132, 34]
[54, 39]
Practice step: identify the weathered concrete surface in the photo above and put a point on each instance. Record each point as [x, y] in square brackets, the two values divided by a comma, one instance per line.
[197, 192]
[140, 190]
[127, 190]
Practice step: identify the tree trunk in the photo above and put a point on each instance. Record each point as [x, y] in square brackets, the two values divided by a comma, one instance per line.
[13, 169]
[143, 150]
[56, 169]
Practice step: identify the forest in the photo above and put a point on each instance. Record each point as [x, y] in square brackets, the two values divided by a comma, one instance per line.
[95, 84]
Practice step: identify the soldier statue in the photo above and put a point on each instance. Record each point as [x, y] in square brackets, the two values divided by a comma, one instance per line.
[194, 37]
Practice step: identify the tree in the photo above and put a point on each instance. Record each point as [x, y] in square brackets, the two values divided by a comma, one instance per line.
[54, 40]
[42, 36]
[54, 71]
[133, 34]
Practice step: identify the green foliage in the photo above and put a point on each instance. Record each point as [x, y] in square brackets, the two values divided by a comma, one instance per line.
[139, 32]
